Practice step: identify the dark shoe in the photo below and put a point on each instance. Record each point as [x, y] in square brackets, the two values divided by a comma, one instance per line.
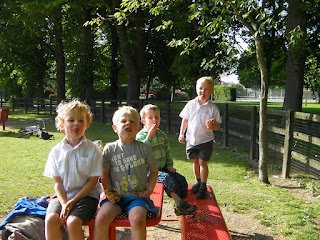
[184, 209]
[202, 193]
[195, 188]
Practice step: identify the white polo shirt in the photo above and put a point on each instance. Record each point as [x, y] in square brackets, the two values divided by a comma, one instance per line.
[197, 115]
[75, 165]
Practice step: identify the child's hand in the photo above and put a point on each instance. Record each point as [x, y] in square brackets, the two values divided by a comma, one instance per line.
[171, 169]
[113, 195]
[64, 213]
[210, 123]
[181, 139]
[66, 208]
[145, 193]
[153, 130]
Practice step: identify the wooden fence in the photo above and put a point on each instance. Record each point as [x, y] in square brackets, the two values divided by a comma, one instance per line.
[294, 135]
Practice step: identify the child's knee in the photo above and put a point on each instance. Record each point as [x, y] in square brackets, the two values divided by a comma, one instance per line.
[52, 219]
[74, 221]
[203, 163]
[138, 217]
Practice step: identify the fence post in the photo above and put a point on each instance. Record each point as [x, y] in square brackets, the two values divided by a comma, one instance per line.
[168, 116]
[102, 110]
[38, 107]
[253, 133]
[13, 104]
[93, 108]
[288, 140]
[225, 124]
[26, 105]
[50, 106]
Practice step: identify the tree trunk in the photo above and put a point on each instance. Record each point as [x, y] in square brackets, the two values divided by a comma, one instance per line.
[59, 56]
[114, 63]
[263, 130]
[296, 57]
[88, 57]
[133, 58]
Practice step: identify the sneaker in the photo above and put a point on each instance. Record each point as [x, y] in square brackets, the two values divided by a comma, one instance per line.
[202, 193]
[184, 209]
[195, 188]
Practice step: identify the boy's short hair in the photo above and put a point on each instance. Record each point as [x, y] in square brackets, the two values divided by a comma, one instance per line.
[206, 79]
[122, 109]
[66, 106]
[143, 111]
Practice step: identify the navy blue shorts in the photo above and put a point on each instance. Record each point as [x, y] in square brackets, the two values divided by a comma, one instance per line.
[203, 151]
[85, 208]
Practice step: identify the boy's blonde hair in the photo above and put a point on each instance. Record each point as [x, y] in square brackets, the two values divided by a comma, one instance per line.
[206, 79]
[143, 111]
[123, 109]
[65, 106]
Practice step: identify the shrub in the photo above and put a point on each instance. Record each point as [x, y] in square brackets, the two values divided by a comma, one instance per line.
[181, 96]
[225, 93]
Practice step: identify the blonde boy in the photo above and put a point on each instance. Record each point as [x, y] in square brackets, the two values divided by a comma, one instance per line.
[125, 168]
[199, 117]
[175, 184]
[75, 165]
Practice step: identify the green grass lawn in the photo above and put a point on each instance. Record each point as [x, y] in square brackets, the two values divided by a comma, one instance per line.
[234, 182]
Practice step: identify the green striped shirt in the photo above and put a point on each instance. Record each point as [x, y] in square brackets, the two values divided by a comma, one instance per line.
[160, 147]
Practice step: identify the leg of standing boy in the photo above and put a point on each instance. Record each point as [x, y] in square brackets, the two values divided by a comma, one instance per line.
[200, 169]
[200, 154]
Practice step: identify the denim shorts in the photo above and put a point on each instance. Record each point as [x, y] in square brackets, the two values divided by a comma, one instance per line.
[203, 151]
[173, 182]
[85, 208]
[127, 203]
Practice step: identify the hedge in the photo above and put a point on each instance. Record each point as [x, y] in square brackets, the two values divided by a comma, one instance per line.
[225, 93]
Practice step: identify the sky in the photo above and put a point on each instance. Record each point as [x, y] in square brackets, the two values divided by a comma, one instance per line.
[233, 78]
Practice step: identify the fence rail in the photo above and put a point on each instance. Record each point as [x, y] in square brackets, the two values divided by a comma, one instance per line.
[295, 135]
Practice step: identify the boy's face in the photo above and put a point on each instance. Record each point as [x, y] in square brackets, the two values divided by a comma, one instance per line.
[127, 127]
[204, 90]
[74, 125]
[151, 119]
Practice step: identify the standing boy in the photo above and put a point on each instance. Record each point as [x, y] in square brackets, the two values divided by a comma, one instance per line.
[200, 116]
[75, 165]
[125, 168]
[175, 184]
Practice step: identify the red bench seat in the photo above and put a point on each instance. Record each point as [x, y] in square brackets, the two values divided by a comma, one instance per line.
[123, 221]
[206, 222]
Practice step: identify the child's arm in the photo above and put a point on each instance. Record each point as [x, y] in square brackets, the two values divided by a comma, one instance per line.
[61, 194]
[213, 124]
[86, 189]
[151, 183]
[184, 124]
[105, 180]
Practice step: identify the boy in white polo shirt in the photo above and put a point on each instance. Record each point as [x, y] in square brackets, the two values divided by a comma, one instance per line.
[75, 165]
[199, 117]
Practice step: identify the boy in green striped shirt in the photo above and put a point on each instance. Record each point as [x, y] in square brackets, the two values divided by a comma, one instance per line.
[175, 184]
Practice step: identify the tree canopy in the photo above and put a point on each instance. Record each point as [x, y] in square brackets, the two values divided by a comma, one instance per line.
[87, 48]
